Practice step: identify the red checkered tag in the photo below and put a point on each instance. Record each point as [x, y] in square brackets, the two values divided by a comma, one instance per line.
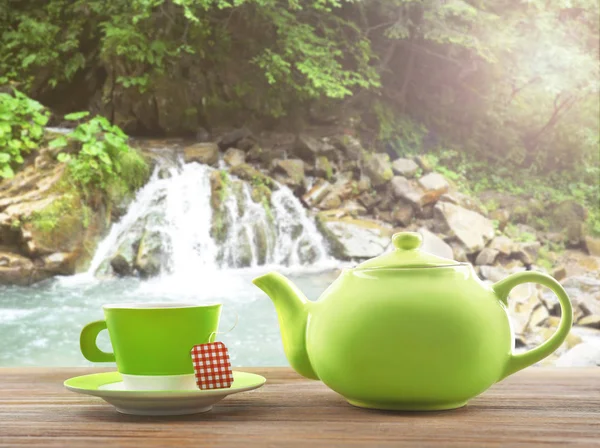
[211, 366]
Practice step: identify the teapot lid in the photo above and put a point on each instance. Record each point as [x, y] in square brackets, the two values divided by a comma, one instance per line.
[406, 254]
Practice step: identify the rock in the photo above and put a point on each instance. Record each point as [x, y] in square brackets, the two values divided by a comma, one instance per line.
[435, 245]
[493, 273]
[501, 216]
[424, 164]
[592, 244]
[568, 212]
[426, 212]
[470, 228]
[234, 157]
[323, 168]
[369, 199]
[121, 266]
[202, 135]
[289, 172]
[351, 146]
[205, 153]
[559, 273]
[353, 238]
[15, 269]
[252, 175]
[459, 252]
[410, 191]
[353, 208]
[59, 263]
[586, 354]
[378, 168]
[503, 245]
[309, 148]
[148, 260]
[405, 167]
[316, 193]
[264, 157]
[363, 184]
[487, 256]
[465, 201]
[575, 233]
[331, 201]
[434, 185]
[592, 321]
[402, 214]
[532, 249]
[260, 193]
[231, 138]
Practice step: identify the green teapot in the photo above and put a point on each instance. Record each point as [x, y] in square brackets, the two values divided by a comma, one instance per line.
[407, 330]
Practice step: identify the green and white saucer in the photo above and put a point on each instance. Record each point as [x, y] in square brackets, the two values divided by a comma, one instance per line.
[109, 387]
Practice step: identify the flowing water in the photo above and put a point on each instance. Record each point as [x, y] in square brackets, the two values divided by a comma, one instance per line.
[40, 324]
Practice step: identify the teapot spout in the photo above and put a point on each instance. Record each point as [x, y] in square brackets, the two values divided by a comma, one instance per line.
[293, 309]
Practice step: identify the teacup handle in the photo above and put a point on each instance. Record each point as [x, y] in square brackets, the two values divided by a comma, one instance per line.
[87, 343]
[502, 289]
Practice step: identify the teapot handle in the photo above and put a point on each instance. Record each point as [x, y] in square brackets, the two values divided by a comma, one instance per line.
[503, 288]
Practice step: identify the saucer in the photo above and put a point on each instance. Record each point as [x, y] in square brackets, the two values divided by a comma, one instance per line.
[109, 387]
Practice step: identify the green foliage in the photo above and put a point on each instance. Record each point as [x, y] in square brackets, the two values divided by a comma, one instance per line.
[47, 219]
[22, 123]
[292, 50]
[104, 158]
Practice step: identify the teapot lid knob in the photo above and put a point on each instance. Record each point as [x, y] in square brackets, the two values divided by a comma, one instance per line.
[407, 240]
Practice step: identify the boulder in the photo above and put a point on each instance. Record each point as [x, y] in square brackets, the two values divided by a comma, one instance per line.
[405, 167]
[487, 256]
[559, 273]
[434, 185]
[316, 193]
[503, 245]
[423, 163]
[355, 238]
[289, 172]
[470, 228]
[205, 153]
[265, 157]
[120, 266]
[528, 252]
[378, 168]
[592, 244]
[402, 214]
[369, 199]
[234, 157]
[353, 208]
[409, 191]
[435, 245]
[309, 148]
[502, 216]
[493, 273]
[15, 269]
[323, 168]
[351, 146]
[465, 201]
[363, 184]
[459, 252]
[252, 175]
[59, 263]
[331, 201]
[233, 137]
[592, 321]
[586, 354]
[148, 260]
[568, 212]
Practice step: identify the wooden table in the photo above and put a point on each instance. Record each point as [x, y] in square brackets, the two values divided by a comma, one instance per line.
[537, 407]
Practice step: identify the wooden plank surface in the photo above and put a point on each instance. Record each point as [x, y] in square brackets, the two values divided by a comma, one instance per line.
[536, 407]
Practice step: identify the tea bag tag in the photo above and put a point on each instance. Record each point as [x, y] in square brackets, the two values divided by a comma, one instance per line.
[212, 367]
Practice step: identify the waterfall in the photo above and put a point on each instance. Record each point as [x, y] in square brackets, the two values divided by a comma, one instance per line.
[170, 228]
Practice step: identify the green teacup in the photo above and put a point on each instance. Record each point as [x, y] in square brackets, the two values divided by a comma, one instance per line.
[152, 342]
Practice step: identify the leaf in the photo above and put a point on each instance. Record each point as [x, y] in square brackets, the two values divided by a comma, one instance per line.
[76, 116]
[63, 157]
[4, 157]
[59, 142]
[7, 172]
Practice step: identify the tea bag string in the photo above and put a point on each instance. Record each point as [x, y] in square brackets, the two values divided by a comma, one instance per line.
[215, 333]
